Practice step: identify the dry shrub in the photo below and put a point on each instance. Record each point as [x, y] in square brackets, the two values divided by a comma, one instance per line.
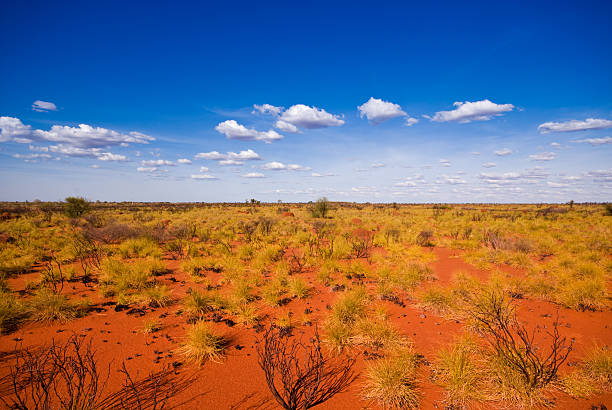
[297, 374]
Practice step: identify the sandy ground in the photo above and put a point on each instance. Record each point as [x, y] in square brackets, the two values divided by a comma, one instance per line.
[238, 383]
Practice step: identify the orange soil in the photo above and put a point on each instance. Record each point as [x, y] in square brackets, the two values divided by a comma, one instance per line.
[238, 383]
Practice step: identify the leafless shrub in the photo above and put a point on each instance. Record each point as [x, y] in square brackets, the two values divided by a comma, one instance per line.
[514, 345]
[297, 374]
[111, 233]
[498, 241]
[424, 238]
[66, 376]
[362, 242]
[88, 253]
[52, 276]
[63, 376]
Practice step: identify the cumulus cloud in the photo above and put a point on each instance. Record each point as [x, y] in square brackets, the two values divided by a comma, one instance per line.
[303, 116]
[254, 175]
[575, 125]
[410, 121]
[203, 177]
[489, 164]
[12, 128]
[32, 156]
[318, 175]
[43, 106]
[267, 109]
[445, 163]
[87, 136]
[232, 130]
[544, 156]
[279, 166]
[109, 156]
[596, 141]
[230, 158]
[184, 161]
[204, 169]
[156, 163]
[468, 111]
[377, 110]
[286, 127]
[503, 152]
[99, 153]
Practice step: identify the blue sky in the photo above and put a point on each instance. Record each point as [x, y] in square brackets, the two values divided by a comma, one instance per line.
[444, 102]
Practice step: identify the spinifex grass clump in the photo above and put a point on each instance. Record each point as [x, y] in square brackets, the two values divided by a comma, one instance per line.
[203, 344]
[392, 381]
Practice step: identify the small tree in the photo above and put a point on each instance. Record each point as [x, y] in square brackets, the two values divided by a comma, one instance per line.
[320, 208]
[76, 206]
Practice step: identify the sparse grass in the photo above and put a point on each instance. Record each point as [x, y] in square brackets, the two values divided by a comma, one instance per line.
[47, 306]
[156, 296]
[460, 369]
[12, 312]
[392, 381]
[151, 326]
[298, 288]
[139, 248]
[203, 344]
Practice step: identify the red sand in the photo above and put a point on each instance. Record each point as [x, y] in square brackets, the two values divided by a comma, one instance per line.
[238, 383]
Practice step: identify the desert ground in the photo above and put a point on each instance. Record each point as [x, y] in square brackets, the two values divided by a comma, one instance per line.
[332, 305]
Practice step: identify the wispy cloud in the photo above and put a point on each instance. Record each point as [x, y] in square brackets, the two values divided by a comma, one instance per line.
[575, 125]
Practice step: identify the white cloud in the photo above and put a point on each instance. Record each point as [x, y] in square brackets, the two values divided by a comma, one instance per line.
[13, 128]
[445, 163]
[87, 136]
[303, 116]
[410, 121]
[150, 170]
[230, 158]
[267, 109]
[204, 169]
[472, 111]
[406, 184]
[274, 166]
[318, 175]
[377, 110]
[596, 141]
[279, 166]
[43, 106]
[203, 177]
[109, 156]
[230, 162]
[475, 153]
[232, 130]
[296, 167]
[489, 164]
[32, 156]
[156, 163]
[555, 145]
[378, 165]
[254, 175]
[503, 152]
[184, 161]
[286, 127]
[575, 125]
[214, 155]
[544, 156]
[453, 180]
[249, 154]
[72, 151]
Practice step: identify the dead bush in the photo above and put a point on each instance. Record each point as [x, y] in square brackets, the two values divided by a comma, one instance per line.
[297, 374]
